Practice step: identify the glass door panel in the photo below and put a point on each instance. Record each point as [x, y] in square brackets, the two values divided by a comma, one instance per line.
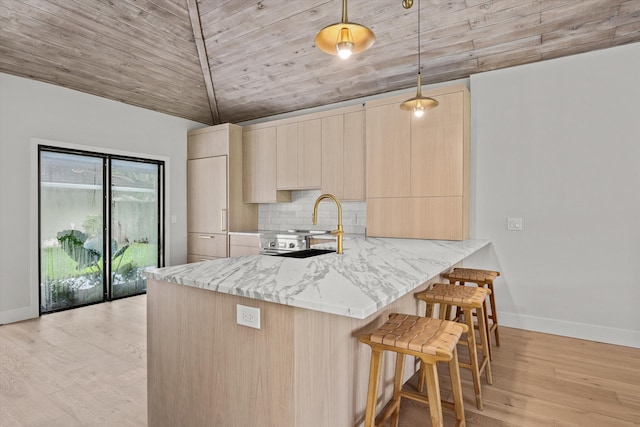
[71, 230]
[135, 231]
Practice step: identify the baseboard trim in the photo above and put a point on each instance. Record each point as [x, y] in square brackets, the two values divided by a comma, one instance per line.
[625, 337]
[17, 315]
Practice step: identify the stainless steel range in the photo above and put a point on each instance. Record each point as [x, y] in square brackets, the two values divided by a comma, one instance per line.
[282, 242]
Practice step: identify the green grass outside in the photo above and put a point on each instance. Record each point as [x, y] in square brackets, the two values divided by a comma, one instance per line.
[56, 264]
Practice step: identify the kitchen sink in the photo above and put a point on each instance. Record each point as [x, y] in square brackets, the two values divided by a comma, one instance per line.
[306, 253]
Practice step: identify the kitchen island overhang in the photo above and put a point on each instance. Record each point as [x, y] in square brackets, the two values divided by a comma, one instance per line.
[305, 365]
[371, 274]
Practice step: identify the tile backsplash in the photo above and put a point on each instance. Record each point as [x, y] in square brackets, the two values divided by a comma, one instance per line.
[299, 214]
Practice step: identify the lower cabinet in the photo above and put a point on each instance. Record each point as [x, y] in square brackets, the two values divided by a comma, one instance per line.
[243, 244]
[202, 246]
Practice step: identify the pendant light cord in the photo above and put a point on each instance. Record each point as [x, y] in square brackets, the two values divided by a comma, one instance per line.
[418, 36]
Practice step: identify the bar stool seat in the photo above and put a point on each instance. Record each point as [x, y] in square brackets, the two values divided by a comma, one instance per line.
[430, 340]
[468, 299]
[482, 278]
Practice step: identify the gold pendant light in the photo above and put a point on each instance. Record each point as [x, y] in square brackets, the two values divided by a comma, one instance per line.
[418, 104]
[345, 38]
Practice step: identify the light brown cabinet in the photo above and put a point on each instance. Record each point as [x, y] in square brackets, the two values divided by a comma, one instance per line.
[244, 244]
[214, 191]
[324, 150]
[203, 246]
[299, 155]
[287, 156]
[343, 155]
[418, 168]
[207, 195]
[259, 166]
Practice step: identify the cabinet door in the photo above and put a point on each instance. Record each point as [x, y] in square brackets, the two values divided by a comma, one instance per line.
[240, 245]
[207, 245]
[333, 155]
[207, 195]
[259, 167]
[388, 151]
[343, 156]
[437, 149]
[310, 154]
[417, 217]
[287, 156]
[354, 156]
[208, 142]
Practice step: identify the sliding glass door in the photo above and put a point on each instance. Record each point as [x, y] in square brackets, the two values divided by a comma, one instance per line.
[93, 204]
[71, 230]
[135, 210]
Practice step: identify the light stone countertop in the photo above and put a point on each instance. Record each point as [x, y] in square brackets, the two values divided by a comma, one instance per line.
[371, 274]
[246, 233]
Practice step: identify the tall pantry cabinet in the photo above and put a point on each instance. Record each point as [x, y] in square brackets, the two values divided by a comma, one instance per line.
[214, 191]
[418, 168]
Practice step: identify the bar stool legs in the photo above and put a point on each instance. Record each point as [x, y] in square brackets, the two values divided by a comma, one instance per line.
[475, 366]
[430, 340]
[482, 278]
[433, 392]
[493, 315]
[467, 299]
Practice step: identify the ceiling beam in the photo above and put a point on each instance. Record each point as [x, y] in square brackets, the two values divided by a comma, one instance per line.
[194, 14]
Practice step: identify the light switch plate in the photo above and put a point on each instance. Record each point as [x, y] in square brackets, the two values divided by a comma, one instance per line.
[514, 224]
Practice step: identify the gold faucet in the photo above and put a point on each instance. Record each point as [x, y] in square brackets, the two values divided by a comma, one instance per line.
[338, 233]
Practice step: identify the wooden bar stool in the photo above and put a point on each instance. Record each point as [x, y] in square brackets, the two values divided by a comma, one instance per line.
[482, 278]
[430, 340]
[468, 299]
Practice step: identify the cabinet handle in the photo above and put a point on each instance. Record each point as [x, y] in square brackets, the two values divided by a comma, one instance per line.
[223, 220]
[204, 236]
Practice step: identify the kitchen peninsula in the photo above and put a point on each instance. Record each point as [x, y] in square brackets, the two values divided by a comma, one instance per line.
[304, 366]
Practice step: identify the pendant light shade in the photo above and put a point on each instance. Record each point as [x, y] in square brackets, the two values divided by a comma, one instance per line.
[344, 38]
[418, 104]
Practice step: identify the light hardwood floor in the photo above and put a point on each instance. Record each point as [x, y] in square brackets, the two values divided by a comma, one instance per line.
[87, 367]
[546, 380]
[82, 367]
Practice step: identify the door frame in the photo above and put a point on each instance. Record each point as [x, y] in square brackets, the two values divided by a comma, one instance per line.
[34, 219]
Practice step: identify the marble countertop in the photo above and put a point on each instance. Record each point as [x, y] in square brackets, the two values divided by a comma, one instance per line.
[248, 233]
[371, 274]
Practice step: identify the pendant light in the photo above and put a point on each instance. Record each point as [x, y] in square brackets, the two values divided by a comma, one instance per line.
[418, 104]
[344, 38]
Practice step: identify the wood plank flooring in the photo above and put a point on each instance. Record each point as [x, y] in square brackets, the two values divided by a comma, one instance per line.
[83, 367]
[546, 380]
[87, 367]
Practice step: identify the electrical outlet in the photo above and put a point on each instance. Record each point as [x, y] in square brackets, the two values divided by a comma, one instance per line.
[248, 316]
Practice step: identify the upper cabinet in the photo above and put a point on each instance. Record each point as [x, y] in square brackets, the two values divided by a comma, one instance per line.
[299, 155]
[323, 150]
[343, 155]
[214, 191]
[259, 166]
[418, 168]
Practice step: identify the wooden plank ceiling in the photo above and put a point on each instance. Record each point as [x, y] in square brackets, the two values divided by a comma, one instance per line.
[216, 61]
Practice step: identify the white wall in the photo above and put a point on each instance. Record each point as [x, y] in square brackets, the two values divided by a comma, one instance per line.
[33, 110]
[558, 144]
